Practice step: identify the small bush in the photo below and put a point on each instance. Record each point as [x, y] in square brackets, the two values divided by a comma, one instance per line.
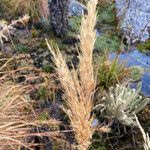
[123, 102]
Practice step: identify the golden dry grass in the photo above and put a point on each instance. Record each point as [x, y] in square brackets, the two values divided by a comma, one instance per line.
[37, 9]
[18, 118]
[79, 85]
[13, 119]
[18, 112]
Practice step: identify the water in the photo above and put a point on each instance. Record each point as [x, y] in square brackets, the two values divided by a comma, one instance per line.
[137, 58]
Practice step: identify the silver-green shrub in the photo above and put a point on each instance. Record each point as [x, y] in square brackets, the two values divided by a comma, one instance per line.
[123, 102]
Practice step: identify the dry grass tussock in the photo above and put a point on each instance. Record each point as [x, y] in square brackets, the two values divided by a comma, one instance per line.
[18, 114]
[79, 85]
[13, 120]
[18, 118]
[35, 8]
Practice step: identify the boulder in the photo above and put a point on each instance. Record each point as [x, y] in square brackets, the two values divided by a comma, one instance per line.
[134, 19]
[76, 8]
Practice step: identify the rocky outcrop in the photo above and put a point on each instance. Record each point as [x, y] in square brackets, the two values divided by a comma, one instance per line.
[134, 19]
[76, 8]
[59, 16]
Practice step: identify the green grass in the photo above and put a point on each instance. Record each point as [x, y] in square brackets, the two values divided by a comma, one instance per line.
[144, 46]
[48, 68]
[107, 43]
[107, 14]
[110, 72]
[75, 23]
[21, 48]
[42, 93]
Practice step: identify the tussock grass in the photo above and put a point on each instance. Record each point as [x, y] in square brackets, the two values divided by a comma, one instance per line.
[19, 114]
[13, 119]
[79, 85]
[18, 118]
[111, 72]
[35, 8]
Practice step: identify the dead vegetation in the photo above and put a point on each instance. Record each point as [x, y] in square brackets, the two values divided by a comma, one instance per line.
[19, 114]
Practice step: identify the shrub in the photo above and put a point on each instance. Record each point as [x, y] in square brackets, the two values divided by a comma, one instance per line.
[123, 102]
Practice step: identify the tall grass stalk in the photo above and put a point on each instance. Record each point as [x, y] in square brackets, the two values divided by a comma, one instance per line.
[146, 138]
[79, 85]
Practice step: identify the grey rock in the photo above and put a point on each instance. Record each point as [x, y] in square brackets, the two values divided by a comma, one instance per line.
[134, 16]
[59, 16]
[76, 8]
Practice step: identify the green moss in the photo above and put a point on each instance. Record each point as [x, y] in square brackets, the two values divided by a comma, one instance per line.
[75, 23]
[42, 93]
[22, 48]
[48, 68]
[97, 143]
[59, 145]
[43, 44]
[107, 14]
[35, 33]
[107, 42]
[144, 46]
[43, 117]
[136, 73]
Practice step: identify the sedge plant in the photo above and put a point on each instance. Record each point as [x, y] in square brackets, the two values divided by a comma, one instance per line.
[111, 72]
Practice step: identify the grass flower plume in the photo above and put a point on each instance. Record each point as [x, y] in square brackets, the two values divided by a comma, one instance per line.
[79, 85]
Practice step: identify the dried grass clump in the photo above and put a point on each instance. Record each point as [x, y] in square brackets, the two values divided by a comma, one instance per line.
[35, 8]
[79, 85]
[43, 9]
[15, 116]
[146, 138]
[18, 118]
